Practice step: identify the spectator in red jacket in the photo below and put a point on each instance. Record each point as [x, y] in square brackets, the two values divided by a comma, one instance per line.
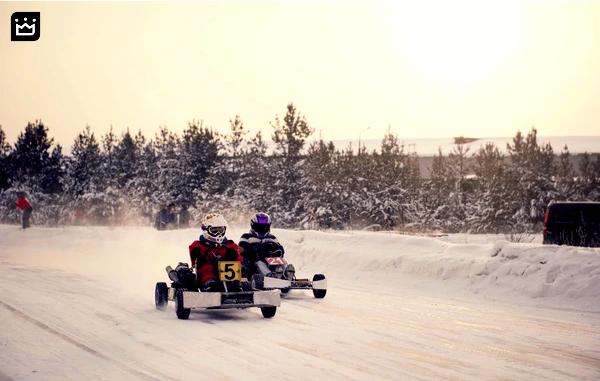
[24, 205]
[211, 247]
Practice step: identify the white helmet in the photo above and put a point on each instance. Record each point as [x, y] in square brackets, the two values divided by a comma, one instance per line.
[213, 227]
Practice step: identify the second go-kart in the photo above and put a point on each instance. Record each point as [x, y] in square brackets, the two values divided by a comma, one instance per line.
[234, 292]
[276, 273]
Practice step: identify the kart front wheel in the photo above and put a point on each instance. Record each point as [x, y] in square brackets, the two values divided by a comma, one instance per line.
[319, 294]
[268, 312]
[182, 313]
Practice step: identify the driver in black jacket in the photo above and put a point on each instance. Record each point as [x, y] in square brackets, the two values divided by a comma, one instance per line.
[258, 244]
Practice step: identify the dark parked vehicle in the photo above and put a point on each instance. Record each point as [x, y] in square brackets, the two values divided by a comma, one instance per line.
[572, 223]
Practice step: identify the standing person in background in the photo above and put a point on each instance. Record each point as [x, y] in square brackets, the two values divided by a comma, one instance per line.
[184, 217]
[24, 205]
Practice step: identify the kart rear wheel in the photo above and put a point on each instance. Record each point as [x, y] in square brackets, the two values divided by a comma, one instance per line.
[161, 296]
[319, 294]
[182, 313]
[268, 312]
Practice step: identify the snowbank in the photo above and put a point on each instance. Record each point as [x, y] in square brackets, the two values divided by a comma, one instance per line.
[553, 275]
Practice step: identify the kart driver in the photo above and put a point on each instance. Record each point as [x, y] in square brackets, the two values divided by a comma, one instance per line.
[208, 249]
[258, 244]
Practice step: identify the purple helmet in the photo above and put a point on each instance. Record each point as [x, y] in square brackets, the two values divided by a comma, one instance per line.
[260, 224]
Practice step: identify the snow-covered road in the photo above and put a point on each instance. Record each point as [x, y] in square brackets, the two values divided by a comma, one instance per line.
[77, 303]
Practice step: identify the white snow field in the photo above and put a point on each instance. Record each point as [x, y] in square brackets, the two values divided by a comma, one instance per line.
[77, 303]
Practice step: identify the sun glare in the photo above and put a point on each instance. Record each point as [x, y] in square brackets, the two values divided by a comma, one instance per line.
[457, 43]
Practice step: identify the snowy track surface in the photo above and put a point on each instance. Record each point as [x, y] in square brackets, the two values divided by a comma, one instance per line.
[77, 304]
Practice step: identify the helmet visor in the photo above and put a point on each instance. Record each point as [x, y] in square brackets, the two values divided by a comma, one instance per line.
[261, 228]
[216, 231]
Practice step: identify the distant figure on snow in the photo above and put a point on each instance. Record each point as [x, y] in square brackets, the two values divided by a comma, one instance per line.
[165, 218]
[184, 217]
[24, 205]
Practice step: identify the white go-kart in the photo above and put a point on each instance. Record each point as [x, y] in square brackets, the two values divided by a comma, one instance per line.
[234, 292]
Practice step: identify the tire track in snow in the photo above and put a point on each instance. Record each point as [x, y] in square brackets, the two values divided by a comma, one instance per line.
[82, 346]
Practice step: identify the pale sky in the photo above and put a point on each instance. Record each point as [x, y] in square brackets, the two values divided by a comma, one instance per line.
[426, 69]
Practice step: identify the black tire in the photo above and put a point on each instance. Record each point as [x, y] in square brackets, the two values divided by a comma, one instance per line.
[257, 281]
[268, 312]
[285, 290]
[161, 296]
[319, 294]
[182, 313]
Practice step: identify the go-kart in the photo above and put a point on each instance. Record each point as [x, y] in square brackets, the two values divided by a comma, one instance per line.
[276, 273]
[233, 292]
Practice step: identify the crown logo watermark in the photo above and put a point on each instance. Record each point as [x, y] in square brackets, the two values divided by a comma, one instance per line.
[25, 29]
[25, 26]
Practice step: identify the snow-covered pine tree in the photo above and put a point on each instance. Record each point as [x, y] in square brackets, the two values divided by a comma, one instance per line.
[4, 167]
[588, 185]
[52, 183]
[7, 210]
[257, 176]
[289, 136]
[31, 160]
[234, 152]
[105, 202]
[83, 175]
[200, 165]
[389, 183]
[109, 169]
[38, 171]
[435, 193]
[142, 186]
[595, 193]
[363, 169]
[345, 178]
[529, 178]
[323, 196]
[564, 181]
[349, 175]
[125, 157]
[83, 164]
[168, 179]
[458, 201]
[491, 202]
[236, 137]
[125, 161]
[413, 209]
[230, 175]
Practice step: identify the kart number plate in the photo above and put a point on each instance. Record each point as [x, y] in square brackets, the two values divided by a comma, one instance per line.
[275, 261]
[230, 270]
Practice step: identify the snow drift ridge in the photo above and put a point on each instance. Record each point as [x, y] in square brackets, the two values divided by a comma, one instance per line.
[550, 272]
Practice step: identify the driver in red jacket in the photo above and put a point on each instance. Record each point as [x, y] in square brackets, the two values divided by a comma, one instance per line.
[211, 247]
[24, 205]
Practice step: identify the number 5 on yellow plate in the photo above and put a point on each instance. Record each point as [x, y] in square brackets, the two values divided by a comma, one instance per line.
[230, 270]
